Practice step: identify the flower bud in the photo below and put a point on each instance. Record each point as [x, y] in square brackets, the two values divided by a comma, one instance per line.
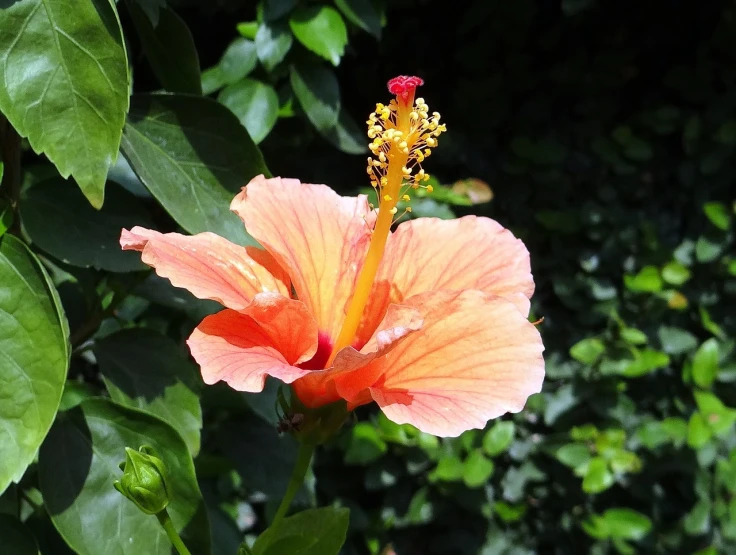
[145, 480]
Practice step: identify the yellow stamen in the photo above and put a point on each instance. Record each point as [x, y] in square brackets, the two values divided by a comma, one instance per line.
[400, 133]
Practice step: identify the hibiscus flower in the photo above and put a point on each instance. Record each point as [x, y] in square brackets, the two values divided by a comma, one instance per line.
[429, 321]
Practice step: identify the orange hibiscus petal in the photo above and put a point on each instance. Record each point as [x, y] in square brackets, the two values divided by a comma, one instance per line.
[269, 338]
[353, 372]
[427, 254]
[208, 265]
[319, 237]
[475, 358]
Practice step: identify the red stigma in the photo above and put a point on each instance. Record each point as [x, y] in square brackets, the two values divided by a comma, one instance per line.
[404, 85]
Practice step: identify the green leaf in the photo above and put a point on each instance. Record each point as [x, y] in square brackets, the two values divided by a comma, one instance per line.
[498, 439]
[273, 42]
[312, 532]
[627, 524]
[365, 445]
[718, 416]
[239, 60]
[698, 432]
[34, 357]
[247, 29]
[194, 156]
[363, 14]
[676, 341]
[574, 455]
[170, 49]
[588, 350]
[718, 214]
[146, 370]
[151, 8]
[645, 361]
[707, 250]
[675, 273]
[598, 477]
[477, 469]
[646, 281]
[72, 104]
[6, 215]
[78, 463]
[449, 469]
[255, 104]
[318, 93]
[322, 30]
[59, 220]
[17, 538]
[697, 521]
[633, 336]
[705, 363]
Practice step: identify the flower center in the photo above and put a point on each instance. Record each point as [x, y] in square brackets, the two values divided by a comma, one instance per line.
[403, 134]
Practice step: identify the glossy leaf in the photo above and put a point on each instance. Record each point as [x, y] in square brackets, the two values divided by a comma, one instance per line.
[477, 469]
[146, 370]
[588, 350]
[72, 105]
[362, 13]
[273, 42]
[60, 221]
[34, 357]
[318, 93]
[705, 363]
[170, 49]
[78, 464]
[498, 438]
[717, 213]
[312, 532]
[322, 30]
[194, 156]
[255, 104]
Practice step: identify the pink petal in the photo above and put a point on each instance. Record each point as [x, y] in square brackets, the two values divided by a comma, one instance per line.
[475, 358]
[467, 253]
[208, 265]
[269, 338]
[319, 237]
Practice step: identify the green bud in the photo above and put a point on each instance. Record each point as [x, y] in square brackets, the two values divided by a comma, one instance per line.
[145, 480]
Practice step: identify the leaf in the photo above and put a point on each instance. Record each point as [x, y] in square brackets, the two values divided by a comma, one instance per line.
[498, 439]
[313, 532]
[675, 273]
[17, 538]
[274, 9]
[707, 250]
[717, 213]
[705, 363]
[151, 8]
[146, 370]
[318, 93]
[169, 48]
[646, 281]
[322, 30]
[78, 463]
[718, 416]
[239, 60]
[255, 104]
[194, 156]
[273, 42]
[449, 469]
[34, 357]
[477, 469]
[365, 445]
[598, 477]
[6, 215]
[363, 14]
[697, 521]
[59, 221]
[676, 341]
[627, 524]
[698, 432]
[588, 350]
[646, 361]
[64, 84]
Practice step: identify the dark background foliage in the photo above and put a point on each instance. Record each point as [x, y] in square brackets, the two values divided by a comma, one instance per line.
[607, 133]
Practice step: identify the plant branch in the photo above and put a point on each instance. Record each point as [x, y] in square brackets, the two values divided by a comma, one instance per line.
[301, 466]
[165, 521]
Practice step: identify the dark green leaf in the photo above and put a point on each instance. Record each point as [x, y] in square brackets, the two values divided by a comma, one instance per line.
[72, 105]
[676, 341]
[60, 221]
[363, 14]
[322, 30]
[273, 9]
[34, 357]
[194, 156]
[151, 8]
[273, 42]
[707, 250]
[717, 213]
[256, 105]
[697, 521]
[170, 50]
[78, 464]
[312, 532]
[6, 216]
[627, 524]
[318, 93]
[146, 370]
[365, 445]
[16, 537]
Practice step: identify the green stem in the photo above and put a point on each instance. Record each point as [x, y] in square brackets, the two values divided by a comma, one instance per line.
[168, 526]
[303, 459]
